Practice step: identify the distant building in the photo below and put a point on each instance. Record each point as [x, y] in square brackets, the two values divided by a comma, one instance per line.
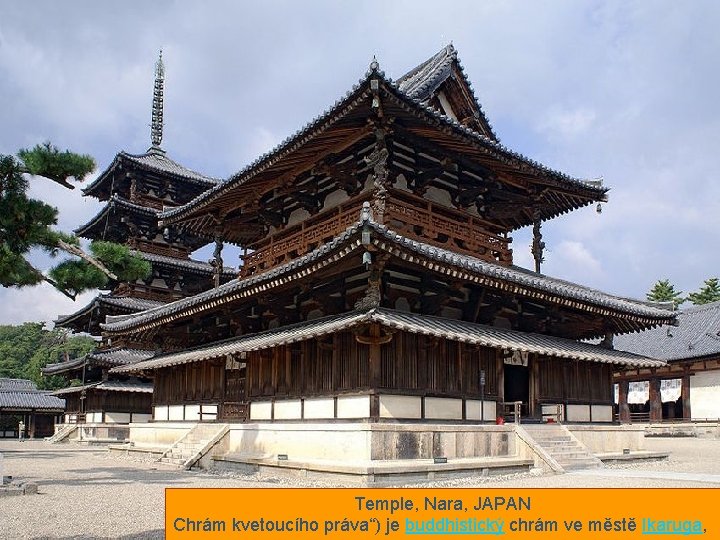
[21, 401]
[688, 386]
[135, 188]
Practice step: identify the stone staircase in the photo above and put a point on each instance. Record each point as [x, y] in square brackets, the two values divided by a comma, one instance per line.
[194, 445]
[562, 447]
[62, 433]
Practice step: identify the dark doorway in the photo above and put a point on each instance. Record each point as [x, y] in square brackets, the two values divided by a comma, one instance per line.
[517, 385]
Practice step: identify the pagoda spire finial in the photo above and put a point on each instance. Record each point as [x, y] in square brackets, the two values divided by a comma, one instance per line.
[156, 129]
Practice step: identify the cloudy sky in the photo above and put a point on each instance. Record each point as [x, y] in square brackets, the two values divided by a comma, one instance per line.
[624, 90]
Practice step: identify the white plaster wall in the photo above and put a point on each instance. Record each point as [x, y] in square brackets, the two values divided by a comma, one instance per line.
[262, 410]
[138, 417]
[353, 406]
[319, 408]
[297, 216]
[473, 410]
[335, 198]
[160, 414]
[192, 413]
[400, 407]
[578, 413]
[117, 418]
[550, 410]
[705, 395]
[443, 408]
[401, 182]
[602, 413]
[176, 412]
[288, 410]
[440, 196]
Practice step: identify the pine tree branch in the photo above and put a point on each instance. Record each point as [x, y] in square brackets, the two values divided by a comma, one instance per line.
[52, 282]
[74, 250]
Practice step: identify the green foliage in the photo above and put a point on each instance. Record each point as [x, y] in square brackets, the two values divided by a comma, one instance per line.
[709, 292]
[26, 349]
[664, 291]
[46, 160]
[120, 261]
[76, 276]
[28, 223]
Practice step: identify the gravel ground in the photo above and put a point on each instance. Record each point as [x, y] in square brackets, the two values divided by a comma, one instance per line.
[86, 493]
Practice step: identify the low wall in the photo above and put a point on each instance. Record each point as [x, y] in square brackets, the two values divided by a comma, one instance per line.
[365, 441]
[96, 432]
[607, 439]
[158, 433]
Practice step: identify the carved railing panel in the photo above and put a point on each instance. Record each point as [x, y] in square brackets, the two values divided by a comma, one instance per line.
[451, 229]
[302, 238]
[409, 215]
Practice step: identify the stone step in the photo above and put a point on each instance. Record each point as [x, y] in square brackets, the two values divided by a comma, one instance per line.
[580, 464]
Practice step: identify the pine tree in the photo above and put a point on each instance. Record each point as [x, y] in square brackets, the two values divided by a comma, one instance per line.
[27, 223]
[664, 291]
[709, 292]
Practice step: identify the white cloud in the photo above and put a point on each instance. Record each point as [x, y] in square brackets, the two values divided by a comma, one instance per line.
[574, 261]
[37, 304]
[567, 123]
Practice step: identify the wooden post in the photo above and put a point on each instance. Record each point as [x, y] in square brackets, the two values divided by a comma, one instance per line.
[655, 400]
[500, 377]
[623, 406]
[685, 396]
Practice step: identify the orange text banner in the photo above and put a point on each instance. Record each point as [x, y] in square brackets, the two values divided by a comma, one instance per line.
[402, 512]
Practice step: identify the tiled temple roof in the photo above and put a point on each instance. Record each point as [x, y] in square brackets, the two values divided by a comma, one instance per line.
[154, 160]
[509, 278]
[423, 80]
[471, 333]
[192, 265]
[118, 356]
[696, 335]
[122, 303]
[22, 394]
[16, 384]
[115, 201]
[110, 386]
[349, 102]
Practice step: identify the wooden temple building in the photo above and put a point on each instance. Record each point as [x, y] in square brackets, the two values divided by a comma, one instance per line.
[134, 190]
[22, 404]
[377, 283]
[688, 387]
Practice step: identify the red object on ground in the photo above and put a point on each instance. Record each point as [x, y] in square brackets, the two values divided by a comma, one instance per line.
[500, 421]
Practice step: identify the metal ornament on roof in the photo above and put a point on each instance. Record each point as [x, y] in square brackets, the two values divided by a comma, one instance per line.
[156, 128]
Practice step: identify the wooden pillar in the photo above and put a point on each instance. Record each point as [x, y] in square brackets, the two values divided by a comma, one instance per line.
[655, 400]
[374, 360]
[534, 386]
[500, 377]
[623, 406]
[685, 395]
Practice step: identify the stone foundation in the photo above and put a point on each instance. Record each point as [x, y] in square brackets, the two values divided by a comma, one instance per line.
[610, 439]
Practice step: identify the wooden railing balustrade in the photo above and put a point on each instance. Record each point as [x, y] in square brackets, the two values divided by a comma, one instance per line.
[412, 216]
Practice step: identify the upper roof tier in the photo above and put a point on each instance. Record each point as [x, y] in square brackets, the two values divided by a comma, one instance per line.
[153, 162]
[521, 190]
[441, 82]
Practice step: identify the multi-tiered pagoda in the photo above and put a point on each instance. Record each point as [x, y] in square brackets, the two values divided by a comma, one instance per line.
[134, 190]
[378, 284]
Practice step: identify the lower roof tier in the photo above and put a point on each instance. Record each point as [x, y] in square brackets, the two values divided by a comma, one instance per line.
[454, 330]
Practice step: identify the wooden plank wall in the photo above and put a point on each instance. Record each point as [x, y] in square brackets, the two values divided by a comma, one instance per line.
[410, 363]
